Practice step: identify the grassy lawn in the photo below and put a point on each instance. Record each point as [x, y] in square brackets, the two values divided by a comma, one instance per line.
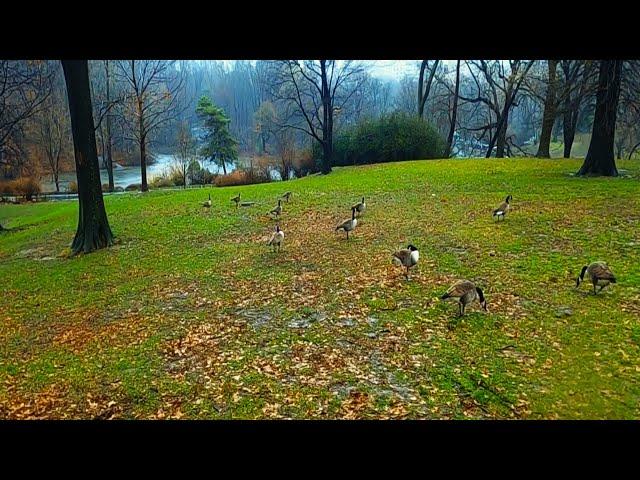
[190, 315]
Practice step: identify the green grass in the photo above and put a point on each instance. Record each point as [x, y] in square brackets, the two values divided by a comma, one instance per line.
[579, 147]
[190, 315]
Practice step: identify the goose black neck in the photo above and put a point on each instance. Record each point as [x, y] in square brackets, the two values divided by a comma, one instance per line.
[480, 294]
[584, 269]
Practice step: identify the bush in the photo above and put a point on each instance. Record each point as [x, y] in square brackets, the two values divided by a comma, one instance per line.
[161, 181]
[391, 138]
[6, 188]
[198, 175]
[240, 177]
[105, 187]
[304, 163]
[133, 187]
[72, 187]
[28, 186]
[25, 186]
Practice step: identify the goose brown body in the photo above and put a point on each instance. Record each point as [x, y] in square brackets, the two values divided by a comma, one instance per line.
[278, 210]
[360, 206]
[350, 224]
[407, 257]
[503, 208]
[600, 274]
[277, 238]
[466, 292]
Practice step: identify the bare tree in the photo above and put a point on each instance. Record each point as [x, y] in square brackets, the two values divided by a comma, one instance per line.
[93, 230]
[600, 158]
[578, 84]
[151, 101]
[424, 85]
[185, 151]
[497, 86]
[454, 112]
[549, 115]
[24, 87]
[313, 90]
[53, 131]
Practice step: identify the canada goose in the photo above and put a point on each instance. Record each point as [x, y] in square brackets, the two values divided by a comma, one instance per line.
[236, 199]
[286, 196]
[503, 208]
[278, 210]
[277, 238]
[407, 257]
[600, 273]
[207, 204]
[361, 206]
[466, 292]
[350, 224]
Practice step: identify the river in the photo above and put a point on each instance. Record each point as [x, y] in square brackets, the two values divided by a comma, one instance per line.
[123, 176]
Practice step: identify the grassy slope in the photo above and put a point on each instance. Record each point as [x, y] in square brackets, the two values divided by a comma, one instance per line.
[191, 315]
[556, 149]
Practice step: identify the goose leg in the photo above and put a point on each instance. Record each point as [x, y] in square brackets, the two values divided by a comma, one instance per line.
[347, 234]
[601, 287]
[594, 289]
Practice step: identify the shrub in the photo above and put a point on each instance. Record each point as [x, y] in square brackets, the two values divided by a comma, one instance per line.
[133, 187]
[240, 177]
[198, 175]
[72, 187]
[391, 138]
[25, 186]
[161, 181]
[105, 187]
[304, 163]
[6, 188]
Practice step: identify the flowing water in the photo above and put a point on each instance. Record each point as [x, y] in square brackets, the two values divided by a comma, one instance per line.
[124, 176]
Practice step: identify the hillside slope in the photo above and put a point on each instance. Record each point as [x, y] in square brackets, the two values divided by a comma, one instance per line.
[190, 315]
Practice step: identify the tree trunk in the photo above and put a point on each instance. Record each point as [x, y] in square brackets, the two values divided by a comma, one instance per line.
[93, 227]
[143, 164]
[549, 115]
[108, 132]
[327, 123]
[600, 159]
[501, 139]
[224, 166]
[423, 91]
[454, 114]
[568, 129]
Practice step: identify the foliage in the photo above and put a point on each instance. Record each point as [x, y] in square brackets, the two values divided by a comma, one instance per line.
[72, 187]
[199, 175]
[219, 146]
[390, 138]
[24, 186]
[241, 177]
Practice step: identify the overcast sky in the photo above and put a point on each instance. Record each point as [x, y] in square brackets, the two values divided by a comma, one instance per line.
[393, 69]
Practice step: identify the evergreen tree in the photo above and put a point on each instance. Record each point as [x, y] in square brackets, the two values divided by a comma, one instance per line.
[220, 146]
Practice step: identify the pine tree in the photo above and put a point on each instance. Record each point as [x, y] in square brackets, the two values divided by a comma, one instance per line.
[219, 146]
